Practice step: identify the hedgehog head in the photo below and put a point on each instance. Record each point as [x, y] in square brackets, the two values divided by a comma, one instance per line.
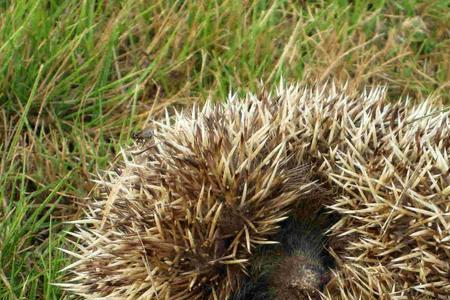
[296, 268]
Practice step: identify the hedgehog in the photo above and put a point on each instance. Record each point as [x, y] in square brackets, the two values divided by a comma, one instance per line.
[227, 201]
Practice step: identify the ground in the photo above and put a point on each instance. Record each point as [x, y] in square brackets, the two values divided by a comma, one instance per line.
[77, 78]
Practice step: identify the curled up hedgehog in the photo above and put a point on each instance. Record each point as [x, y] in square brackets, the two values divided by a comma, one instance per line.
[232, 201]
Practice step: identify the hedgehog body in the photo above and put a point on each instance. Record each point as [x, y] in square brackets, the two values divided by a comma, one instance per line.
[194, 201]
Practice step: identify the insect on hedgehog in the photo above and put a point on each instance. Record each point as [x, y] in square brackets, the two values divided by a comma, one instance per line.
[227, 201]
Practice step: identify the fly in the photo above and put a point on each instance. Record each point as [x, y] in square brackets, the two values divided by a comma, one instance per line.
[144, 134]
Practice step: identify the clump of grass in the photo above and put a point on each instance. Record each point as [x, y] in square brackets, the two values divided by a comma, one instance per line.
[77, 77]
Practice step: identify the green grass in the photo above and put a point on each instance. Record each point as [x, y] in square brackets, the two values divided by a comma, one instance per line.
[78, 77]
